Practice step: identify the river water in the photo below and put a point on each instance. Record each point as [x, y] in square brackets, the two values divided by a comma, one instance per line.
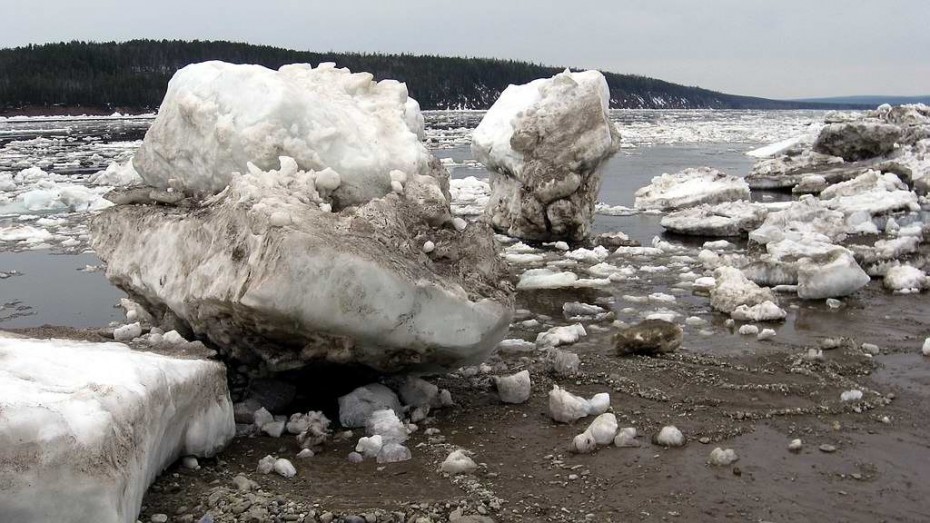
[48, 286]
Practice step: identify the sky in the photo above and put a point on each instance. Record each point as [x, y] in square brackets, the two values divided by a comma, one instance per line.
[777, 48]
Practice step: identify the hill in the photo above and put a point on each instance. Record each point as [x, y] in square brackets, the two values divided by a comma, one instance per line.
[870, 100]
[132, 76]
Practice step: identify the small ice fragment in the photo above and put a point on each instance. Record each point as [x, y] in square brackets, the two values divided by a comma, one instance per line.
[428, 247]
[814, 355]
[457, 462]
[766, 334]
[285, 468]
[795, 445]
[695, 321]
[266, 465]
[851, 395]
[369, 446]
[128, 332]
[393, 453]
[670, 436]
[603, 428]
[749, 330]
[515, 388]
[598, 404]
[583, 443]
[190, 462]
[626, 438]
[566, 407]
[274, 429]
[262, 417]
[173, 337]
[722, 458]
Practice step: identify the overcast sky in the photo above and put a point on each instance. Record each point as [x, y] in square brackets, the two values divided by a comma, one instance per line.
[775, 48]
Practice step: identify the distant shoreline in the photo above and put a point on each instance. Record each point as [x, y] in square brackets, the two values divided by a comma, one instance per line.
[75, 110]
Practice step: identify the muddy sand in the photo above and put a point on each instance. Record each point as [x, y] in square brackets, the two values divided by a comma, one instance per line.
[722, 390]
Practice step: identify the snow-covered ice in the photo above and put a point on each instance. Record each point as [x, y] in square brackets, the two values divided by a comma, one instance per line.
[544, 143]
[566, 407]
[515, 388]
[670, 436]
[603, 428]
[217, 118]
[257, 248]
[86, 427]
[546, 279]
[722, 457]
[732, 289]
[723, 219]
[905, 279]
[356, 407]
[565, 335]
[458, 462]
[690, 187]
[386, 424]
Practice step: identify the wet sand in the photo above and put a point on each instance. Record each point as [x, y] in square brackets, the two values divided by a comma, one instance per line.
[737, 392]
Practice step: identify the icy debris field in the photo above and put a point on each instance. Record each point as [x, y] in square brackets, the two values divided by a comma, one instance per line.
[53, 170]
[639, 127]
[49, 180]
[757, 363]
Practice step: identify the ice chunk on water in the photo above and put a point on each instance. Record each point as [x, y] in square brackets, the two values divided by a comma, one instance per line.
[905, 279]
[732, 289]
[832, 275]
[765, 311]
[546, 279]
[689, 188]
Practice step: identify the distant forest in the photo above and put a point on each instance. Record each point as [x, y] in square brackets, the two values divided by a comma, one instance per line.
[132, 76]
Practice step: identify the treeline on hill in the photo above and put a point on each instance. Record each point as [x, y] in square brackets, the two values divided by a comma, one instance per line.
[133, 75]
